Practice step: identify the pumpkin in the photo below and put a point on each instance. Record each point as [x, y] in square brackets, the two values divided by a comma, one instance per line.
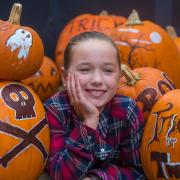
[172, 33]
[24, 132]
[146, 44]
[146, 85]
[160, 148]
[46, 80]
[85, 22]
[21, 49]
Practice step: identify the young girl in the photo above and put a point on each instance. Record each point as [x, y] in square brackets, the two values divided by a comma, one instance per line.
[95, 134]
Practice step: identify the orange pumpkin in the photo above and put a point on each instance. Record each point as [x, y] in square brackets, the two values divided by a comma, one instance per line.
[145, 85]
[172, 33]
[46, 80]
[85, 22]
[160, 148]
[24, 132]
[144, 43]
[21, 49]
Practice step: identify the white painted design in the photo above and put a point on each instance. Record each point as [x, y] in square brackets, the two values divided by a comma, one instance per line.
[170, 164]
[171, 140]
[155, 37]
[131, 30]
[21, 39]
[121, 43]
[141, 41]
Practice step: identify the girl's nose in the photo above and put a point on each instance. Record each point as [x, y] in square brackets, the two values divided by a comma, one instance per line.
[96, 78]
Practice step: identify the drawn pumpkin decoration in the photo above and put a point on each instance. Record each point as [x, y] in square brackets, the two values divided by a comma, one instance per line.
[21, 49]
[146, 44]
[85, 22]
[46, 80]
[172, 33]
[160, 148]
[24, 132]
[146, 85]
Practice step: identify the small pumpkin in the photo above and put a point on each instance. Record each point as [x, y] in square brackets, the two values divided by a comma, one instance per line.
[21, 49]
[146, 85]
[24, 132]
[46, 80]
[146, 44]
[85, 22]
[160, 148]
[172, 33]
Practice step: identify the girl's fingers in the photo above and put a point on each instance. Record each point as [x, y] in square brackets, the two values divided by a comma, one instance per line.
[80, 95]
[73, 89]
[71, 98]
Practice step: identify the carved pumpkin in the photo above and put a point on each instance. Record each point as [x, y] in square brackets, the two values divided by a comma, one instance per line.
[160, 149]
[46, 80]
[145, 85]
[85, 22]
[24, 132]
[172, 33]
[145, 44]
[21, 49]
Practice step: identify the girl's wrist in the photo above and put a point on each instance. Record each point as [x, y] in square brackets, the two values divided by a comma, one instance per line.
[91, 122]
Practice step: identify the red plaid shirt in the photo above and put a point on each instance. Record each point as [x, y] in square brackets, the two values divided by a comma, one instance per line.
[110, 152]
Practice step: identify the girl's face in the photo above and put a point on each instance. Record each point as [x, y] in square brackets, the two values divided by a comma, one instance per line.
[95, 64]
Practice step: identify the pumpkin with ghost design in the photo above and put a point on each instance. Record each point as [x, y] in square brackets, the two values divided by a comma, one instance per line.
[146, 85]
[85, 22]
[144, 43]
[21, 48]
[46, 80]
[24, 132]
[160, 148]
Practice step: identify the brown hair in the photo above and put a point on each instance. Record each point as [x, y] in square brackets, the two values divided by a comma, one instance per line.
[83, 37]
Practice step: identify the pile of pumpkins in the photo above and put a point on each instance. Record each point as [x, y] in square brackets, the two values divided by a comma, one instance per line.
[151, 69]
[24, 131]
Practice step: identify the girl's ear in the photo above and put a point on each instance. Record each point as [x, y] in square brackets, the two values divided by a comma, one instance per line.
[63, 76]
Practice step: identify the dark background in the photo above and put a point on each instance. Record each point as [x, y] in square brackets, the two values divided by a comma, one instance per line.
[48, 17]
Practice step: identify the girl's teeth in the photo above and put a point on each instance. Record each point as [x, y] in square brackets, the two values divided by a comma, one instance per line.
[96, 93]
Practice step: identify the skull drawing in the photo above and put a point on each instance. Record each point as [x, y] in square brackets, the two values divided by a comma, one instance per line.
[20, 99]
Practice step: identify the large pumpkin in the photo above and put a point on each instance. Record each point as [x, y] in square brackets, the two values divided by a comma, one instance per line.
[85, 22]
[144, 43]
[146, 85]
[24, 132]
[160, 149]
[21, 49]
[46, 80]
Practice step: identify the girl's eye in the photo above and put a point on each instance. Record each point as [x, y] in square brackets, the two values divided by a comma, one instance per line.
[108, 70]
[84, 70]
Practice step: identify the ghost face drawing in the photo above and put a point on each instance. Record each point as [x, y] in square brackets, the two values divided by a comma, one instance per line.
[21, 39]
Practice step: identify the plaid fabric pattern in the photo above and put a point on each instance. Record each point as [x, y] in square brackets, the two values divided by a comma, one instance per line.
[110, 152]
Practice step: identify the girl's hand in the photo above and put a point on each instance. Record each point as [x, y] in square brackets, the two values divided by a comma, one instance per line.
[83, 107]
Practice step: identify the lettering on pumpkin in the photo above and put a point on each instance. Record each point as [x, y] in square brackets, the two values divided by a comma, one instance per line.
[162, 121]
[166, 168]
[88, 24]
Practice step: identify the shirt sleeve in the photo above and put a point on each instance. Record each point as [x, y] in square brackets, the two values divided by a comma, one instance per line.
[130, 154]
[71, 155]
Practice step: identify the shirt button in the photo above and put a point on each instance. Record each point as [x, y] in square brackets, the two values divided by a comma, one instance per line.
[102, 149]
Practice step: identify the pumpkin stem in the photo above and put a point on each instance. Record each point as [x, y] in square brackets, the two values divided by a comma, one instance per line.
[103, 13]
[171, 31]
[15, 15]
[133, 19]
[130, 76]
